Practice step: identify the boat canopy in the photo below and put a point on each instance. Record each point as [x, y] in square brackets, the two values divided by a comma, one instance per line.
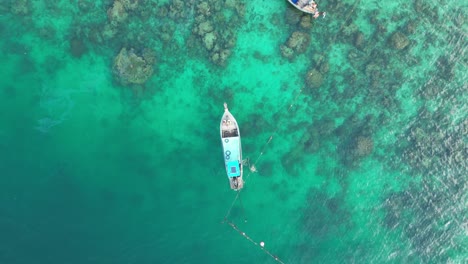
[233, 169]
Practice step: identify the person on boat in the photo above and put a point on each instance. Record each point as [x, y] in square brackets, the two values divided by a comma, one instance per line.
[309, 6]
[303, 3]
[316, 14]
[313, 8]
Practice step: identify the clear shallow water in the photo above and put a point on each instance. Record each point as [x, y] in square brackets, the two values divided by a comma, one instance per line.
[368, 167]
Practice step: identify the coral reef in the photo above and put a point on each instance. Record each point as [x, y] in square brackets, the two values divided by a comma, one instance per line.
[117, 13]
[130, 4]
[356, 140]
[306, 22]
[214, 29]
[130, 68]
[77, 47]
[399, 41]
[359, 40]
[432, 147]
[292, 16]
[322, 218]
[310, 142]
[298, 41]
[295, 17]
[435, 222]
[291, 161]
[363, 146]
[314, 79]
[21, 7]
[296, 44]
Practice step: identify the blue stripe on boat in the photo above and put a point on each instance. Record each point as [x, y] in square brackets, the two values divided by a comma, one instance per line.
[233, 169]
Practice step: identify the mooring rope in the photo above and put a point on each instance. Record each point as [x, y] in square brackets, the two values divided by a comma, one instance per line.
[253, 242]
[252, 168]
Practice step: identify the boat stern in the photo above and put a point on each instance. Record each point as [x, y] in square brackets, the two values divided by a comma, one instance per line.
[234, 172]
[236, 183]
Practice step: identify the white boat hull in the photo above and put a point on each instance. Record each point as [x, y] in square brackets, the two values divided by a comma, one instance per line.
[307, 8]
[232, 149]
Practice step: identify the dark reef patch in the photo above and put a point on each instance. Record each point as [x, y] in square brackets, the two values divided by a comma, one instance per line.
[77, 47]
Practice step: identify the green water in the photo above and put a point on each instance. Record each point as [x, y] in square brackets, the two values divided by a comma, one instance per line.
[369, 167]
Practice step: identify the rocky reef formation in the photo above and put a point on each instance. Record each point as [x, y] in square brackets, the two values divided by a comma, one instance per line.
[129, 68]
[322, 218]
[117, 13]
[297, 43]
[353, 138]
[213, 29]
[314, 79]
[310, 142]
[299, 40]
[436, 219]
[433, 147]
[315, 75]
[20, 7]
[399, 40]
[356, 141]
[294, 17]
[362, 146]
[324, 214]
[77, 47]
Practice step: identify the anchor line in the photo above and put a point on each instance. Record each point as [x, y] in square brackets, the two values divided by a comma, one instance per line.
[230, 208]
[253, 242]
[226, 217]
[259, 156]
[243, 210]
[270, 139]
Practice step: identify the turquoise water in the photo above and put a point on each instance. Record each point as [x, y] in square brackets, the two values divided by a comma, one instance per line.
[359, 135]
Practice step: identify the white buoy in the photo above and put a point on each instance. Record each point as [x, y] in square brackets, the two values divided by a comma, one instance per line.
[262, 244]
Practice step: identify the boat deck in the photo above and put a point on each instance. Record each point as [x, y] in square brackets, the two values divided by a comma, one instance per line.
[229, 128]
[236, 183]
[230, 133]
[230, 138]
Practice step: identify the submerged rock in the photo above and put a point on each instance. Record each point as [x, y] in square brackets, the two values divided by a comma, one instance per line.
[130, 4]
[213, 28]
[131, 69]
[20, 7]
[298, 41]
[221, 57]
[314, 78]
[205, 27]
[399, 41]
[292, 16]
[364, 146]
[117, 13]
[411, 26]
[306, 22]
[287, 52]
[359, 40]
[209, 40]
[108, 32]
[77, 47]
[446, 68]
